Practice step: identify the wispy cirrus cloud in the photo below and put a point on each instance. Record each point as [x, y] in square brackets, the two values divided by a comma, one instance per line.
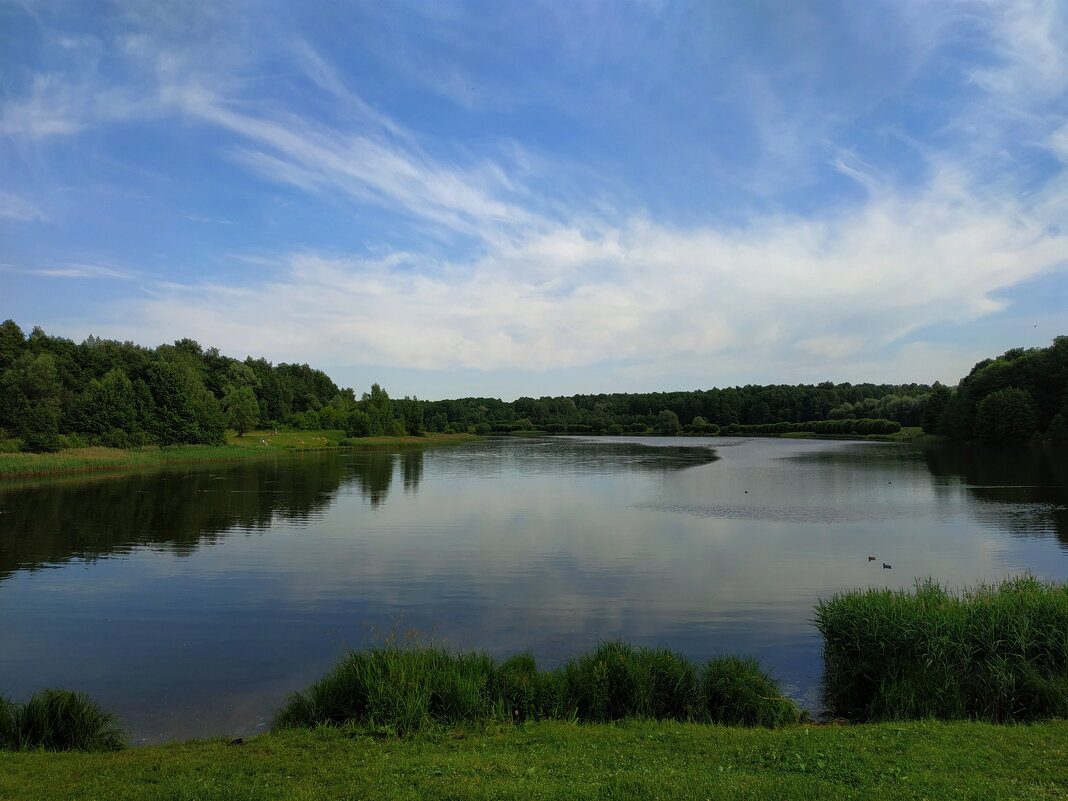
[639, 294]
[74, 270]
[758, 202]
[13, 207]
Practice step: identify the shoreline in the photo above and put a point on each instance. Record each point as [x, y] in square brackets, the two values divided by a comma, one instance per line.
[82, 461]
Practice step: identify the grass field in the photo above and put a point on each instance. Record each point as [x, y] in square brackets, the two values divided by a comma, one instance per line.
[252, 445]
[555, 760]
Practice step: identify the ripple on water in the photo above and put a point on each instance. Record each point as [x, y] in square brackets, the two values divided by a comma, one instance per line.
[793, 514]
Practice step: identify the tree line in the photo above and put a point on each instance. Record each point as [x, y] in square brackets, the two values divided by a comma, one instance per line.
[697, 412]
[1020, 395]
[55, 393]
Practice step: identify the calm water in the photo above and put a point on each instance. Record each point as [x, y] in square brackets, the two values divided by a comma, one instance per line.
[193, 601]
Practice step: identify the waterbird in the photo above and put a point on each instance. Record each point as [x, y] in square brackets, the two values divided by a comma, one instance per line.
[886, 566]
[871, 558]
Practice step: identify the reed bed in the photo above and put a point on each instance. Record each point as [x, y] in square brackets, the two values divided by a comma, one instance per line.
[58, 720]
[404, 689]
[249, 446]
[996, 653]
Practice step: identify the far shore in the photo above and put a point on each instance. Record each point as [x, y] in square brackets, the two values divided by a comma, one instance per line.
[250, 445]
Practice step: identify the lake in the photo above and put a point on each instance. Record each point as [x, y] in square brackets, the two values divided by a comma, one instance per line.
[193, 600]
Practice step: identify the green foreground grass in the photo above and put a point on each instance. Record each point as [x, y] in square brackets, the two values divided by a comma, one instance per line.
[251, 445]
[557, 760]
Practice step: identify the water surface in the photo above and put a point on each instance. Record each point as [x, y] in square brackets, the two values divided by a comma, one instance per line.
[192, 600]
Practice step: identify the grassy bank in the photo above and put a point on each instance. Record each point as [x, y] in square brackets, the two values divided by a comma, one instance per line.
[252, 445]
[556, 760]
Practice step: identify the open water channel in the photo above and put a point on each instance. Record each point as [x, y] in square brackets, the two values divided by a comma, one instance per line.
[193, 600]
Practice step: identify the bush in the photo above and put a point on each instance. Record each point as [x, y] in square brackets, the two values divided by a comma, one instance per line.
[996, 653]
[59, 720]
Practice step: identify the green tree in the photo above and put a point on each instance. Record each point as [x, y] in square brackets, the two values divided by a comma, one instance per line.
[31, 393]
[1004, 417]
[241, 409]
[174, 420]
[936, 405]
[380, 409]
[1058, 430]
[106, 405]
[357, 423]
[411, 416]
[12, 343]
[667, 422]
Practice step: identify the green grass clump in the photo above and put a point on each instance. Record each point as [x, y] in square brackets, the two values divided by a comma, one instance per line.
[402, 689]
[523, 692]
[617, 681]
[738, 693]
[396, 689]
[58, 720]
[997, 653]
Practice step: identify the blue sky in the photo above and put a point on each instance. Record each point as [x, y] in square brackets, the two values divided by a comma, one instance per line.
[538, 198]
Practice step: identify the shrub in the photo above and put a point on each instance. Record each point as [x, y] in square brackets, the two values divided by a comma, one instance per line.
[59, 720]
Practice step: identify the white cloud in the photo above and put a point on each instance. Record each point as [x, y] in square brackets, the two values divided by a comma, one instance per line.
[1029, 37]
[636, 294]
[14, 207]
[314, 156]
[83, 271]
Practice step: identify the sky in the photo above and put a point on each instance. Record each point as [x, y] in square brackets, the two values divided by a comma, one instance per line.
[505, 198]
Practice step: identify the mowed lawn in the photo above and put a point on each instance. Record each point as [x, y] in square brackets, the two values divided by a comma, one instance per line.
[555, 760]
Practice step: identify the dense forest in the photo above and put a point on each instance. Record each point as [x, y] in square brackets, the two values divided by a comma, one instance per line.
[55, 393]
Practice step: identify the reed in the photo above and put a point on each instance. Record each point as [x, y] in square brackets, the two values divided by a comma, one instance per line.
[58, 720]
[402, 688]
[993, 652]
[525, 693]
[617, 681]
[738, 693]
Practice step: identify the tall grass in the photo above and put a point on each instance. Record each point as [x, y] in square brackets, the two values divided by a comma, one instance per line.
[616, 681]
[738, 692]
[407, 688]
[58, 720]
[400, 689]
[993, 652]
[90, 459]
